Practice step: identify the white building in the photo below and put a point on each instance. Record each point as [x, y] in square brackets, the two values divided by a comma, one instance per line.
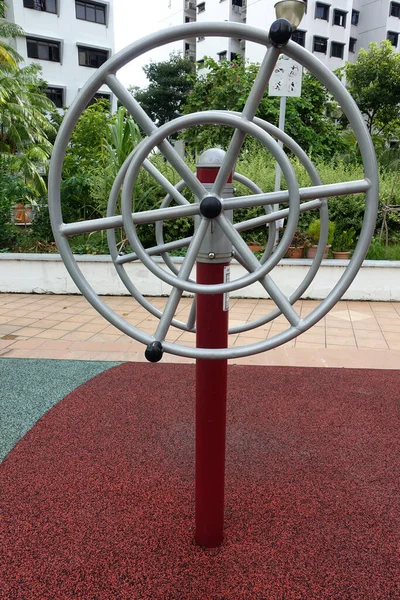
[333, 31]
[68, 38]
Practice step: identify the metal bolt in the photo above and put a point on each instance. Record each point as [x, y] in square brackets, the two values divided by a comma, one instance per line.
[211, 255]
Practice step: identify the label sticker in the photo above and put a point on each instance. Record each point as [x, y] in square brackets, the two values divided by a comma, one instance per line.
[227, 278]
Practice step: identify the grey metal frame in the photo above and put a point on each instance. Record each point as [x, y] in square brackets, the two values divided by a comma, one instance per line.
[243, 125]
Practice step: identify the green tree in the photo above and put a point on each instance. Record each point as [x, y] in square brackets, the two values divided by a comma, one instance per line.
[9, 57]
[226, 85]
[24, 123]
[167, 89]
[374, 82]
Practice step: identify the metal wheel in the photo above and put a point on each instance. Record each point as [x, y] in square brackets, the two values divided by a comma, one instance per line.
[297, 200]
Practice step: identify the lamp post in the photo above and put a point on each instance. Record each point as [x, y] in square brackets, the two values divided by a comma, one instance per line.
[292, 11]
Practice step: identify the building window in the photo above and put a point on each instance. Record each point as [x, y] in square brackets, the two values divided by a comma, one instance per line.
[222, 55]
[56, 95]
[237, 2]
[100, 96]
[393, 38]
[339, 18]
[395, 9]
[234, 56]
[337, 49]
[45, 5]
[352, 44]
[322, 11]
[43, 49]
[299, 37]
[201, 7]
[320, 44]
[355, 17]
[91, 57]
[87, 11]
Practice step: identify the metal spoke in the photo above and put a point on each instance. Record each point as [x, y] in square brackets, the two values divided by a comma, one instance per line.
[184, 274]
[149, 127]
[275, 216]
[249, 111]
[165, 183]
[192, 315]
[138, 218]
[155, 250]
[252, 264]
[309, 193]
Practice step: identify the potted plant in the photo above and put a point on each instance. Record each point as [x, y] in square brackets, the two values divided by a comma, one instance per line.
[313, 236]
[296, 248]
[23, 212]
[343, 244]
[254, 246]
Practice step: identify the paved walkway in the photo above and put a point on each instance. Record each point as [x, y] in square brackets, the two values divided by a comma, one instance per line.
[354, 334]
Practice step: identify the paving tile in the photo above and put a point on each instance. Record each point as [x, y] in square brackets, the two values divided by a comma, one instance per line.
[29, 331]
[371, 326]
[51, 334]
[93, 327]
[28, 344]
[6, 343]
[368, 343]
[67, 325]
[333, 340]
[390, 328]
[362, 334]
[83, 319]
[17, 353]
[4, 320]
[112, 356]
[305, 344]
[55, 344]
[46, 353]
[104, 337]
[47, 323]
[77, 336]
[394, 345]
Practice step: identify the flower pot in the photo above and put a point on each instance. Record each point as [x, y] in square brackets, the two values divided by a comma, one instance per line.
[293, 252]
[255, 247]
[341, 255]
[22, 214]
[312, 251]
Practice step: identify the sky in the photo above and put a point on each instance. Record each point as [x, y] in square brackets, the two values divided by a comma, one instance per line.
[133, 20]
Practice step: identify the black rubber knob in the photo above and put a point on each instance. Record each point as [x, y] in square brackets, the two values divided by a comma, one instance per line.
[210, 207]
[154, 352]
[280, 32]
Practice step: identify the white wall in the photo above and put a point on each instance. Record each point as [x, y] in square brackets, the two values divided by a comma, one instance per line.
[64, 27]
[33, 273]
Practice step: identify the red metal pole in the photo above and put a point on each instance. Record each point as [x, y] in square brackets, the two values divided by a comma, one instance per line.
[211, 390]
[211, 396]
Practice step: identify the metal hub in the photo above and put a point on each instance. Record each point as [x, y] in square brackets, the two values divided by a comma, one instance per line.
[210, 207]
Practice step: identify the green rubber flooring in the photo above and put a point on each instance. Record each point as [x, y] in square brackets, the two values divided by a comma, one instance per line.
[30, 387]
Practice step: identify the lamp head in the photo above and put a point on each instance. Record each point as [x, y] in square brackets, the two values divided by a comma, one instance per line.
[291, 10]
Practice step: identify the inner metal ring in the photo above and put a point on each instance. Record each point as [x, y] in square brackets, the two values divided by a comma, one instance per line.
[210, 117]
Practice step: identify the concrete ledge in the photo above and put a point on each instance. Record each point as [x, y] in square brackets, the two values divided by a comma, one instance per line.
[46, 274]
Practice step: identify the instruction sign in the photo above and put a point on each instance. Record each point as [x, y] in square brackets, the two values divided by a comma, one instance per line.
[286, 78]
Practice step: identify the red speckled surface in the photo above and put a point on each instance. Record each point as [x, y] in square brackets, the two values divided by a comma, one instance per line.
[98, 496]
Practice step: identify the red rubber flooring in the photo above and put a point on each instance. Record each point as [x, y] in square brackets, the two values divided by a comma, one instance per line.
[98, 496]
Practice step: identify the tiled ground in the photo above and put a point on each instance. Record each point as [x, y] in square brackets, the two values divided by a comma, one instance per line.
[354, 334]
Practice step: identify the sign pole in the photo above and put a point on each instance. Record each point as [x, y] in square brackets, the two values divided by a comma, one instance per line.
[285, 82]
[278, 171]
